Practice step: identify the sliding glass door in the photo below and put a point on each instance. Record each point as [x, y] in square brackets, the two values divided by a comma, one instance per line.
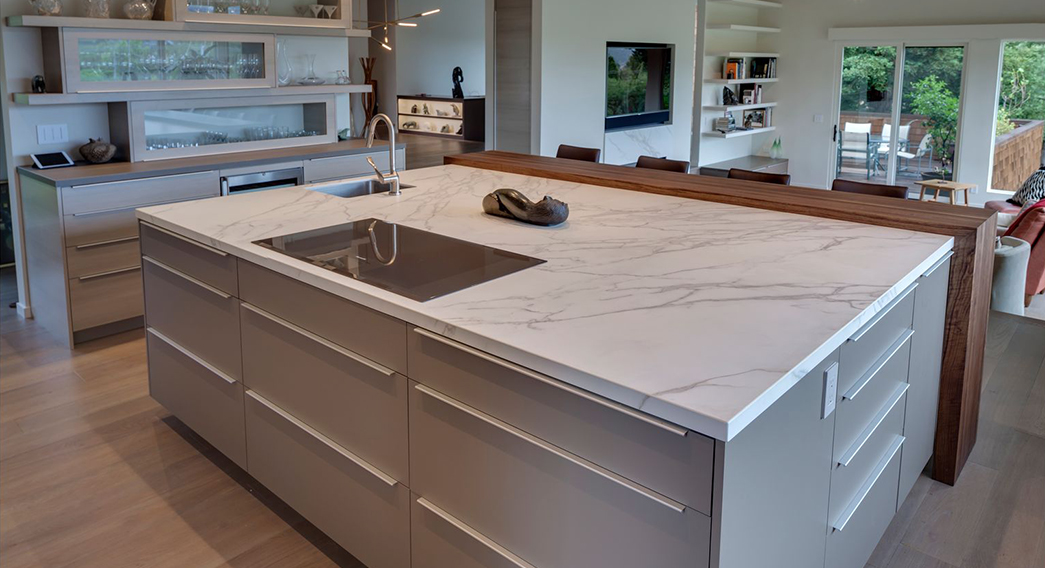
[898, 136]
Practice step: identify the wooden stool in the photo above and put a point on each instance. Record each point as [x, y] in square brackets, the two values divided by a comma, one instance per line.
[953, 187]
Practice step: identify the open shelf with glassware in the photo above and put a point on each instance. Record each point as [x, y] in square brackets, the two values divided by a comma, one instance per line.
[463, 118]
[269, 25]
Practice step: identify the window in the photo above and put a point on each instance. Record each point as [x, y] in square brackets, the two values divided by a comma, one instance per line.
[1020, 125]
[638, 84]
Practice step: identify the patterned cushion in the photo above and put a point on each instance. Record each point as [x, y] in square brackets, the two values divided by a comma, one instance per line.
[1032, 190]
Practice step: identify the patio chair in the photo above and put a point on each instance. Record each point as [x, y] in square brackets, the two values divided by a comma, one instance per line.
[924, 147]
[855, 146]
[887, 133]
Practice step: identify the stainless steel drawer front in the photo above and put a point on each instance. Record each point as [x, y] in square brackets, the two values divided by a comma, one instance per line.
[578, 461]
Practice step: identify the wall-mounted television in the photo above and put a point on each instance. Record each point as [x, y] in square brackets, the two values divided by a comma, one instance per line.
[638, 84]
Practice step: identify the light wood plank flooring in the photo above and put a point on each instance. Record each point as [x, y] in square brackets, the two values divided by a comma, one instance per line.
[93, 473]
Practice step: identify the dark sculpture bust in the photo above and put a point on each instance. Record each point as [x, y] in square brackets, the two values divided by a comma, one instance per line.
[511, 204]
[728, 96]
[457, 77]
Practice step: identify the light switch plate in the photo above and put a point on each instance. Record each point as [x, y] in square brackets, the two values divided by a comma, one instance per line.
[52, 133]
[830, 391]
[818, 118]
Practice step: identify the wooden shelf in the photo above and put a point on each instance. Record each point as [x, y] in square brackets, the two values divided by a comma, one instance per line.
[729, 108]
[743, 28]
[742, 81]
[429, 133]
[243, 24]
[741, 54]
[750, 3]
[739, 133]
[43, 99]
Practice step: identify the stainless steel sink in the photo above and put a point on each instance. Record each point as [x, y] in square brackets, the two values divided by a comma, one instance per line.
[353, 188]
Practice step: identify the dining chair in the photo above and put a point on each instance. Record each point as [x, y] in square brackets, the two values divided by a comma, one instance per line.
[578, 153]
[764, 177]
[865, 188]
[662, 164]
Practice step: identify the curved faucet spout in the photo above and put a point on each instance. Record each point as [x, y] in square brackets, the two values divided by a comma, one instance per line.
[392, 177]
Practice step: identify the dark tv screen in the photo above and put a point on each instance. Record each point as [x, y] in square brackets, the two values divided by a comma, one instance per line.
[638, 84]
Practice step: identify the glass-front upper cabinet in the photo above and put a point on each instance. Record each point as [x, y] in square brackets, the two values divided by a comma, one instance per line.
[178, 129]
[115, 60]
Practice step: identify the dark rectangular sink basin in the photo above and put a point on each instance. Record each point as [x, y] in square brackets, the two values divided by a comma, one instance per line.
[353, 188]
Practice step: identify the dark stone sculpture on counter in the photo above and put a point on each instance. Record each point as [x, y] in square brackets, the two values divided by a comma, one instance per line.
[511, 204]
[39, 86]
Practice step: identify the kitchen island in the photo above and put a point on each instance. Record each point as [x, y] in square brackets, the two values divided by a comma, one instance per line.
[677, 380]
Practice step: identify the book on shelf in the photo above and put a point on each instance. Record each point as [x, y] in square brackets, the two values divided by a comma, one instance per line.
[734, 68]
[763, 67]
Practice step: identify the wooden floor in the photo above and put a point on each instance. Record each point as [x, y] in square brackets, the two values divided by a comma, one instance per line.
[93, 473]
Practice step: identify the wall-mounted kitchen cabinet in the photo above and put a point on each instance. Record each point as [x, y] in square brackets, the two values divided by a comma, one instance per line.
[121, 60]
[157, 130]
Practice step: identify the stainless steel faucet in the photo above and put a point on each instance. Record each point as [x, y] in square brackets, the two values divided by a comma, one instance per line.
[392, 177]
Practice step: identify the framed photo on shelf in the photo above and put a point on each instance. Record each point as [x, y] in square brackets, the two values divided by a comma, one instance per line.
[755, 118]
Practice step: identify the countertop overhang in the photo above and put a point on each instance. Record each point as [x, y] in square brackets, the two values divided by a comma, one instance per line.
[700, 313]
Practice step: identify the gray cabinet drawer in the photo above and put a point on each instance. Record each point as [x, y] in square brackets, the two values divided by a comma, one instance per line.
[105, 256]
[854, 535]
[98, 227]
[857, 407]
[872, 340]
[547, 506]
[106, 297]
[930, 307]
[373, 335]
[335, 167]
[357, 403]
[207, 264]
[438, 540]
[204, 398]
[139, 192]
[661, 456]
[857, 463]
[196, 315]
[361, 508]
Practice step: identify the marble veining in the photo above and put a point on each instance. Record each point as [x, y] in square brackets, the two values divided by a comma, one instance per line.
[700, 313]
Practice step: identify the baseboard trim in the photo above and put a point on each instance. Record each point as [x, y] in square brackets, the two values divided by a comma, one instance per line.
[24, 310]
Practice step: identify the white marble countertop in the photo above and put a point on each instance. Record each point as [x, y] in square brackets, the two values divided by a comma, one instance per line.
[700, 313]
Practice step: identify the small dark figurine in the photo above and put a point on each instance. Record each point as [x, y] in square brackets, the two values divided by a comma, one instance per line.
[728, 96]
[413, 109]
[458, 77]
[426, 108]
[511, 204]
[38, 84]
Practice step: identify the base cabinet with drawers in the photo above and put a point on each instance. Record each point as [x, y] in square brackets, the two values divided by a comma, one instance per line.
[411, 449]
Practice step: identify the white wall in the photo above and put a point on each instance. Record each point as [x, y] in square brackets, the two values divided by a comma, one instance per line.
[455, 37]
[573, 37]
[808, 59]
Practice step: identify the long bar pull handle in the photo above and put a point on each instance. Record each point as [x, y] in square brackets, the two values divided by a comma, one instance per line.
[677, 430]
[186, 239]
[479, 537]
[193, 356]
[576, 460]
[325, 343]
[882, 313]
[865, 489]
[109, 273]
[181, 274]
[854, 449]
[384, 477]
[136, 180]
[877, 366]
[104, 243]
[133, 207]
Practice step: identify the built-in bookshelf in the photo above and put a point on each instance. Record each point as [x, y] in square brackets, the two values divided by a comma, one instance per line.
[735, 57]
